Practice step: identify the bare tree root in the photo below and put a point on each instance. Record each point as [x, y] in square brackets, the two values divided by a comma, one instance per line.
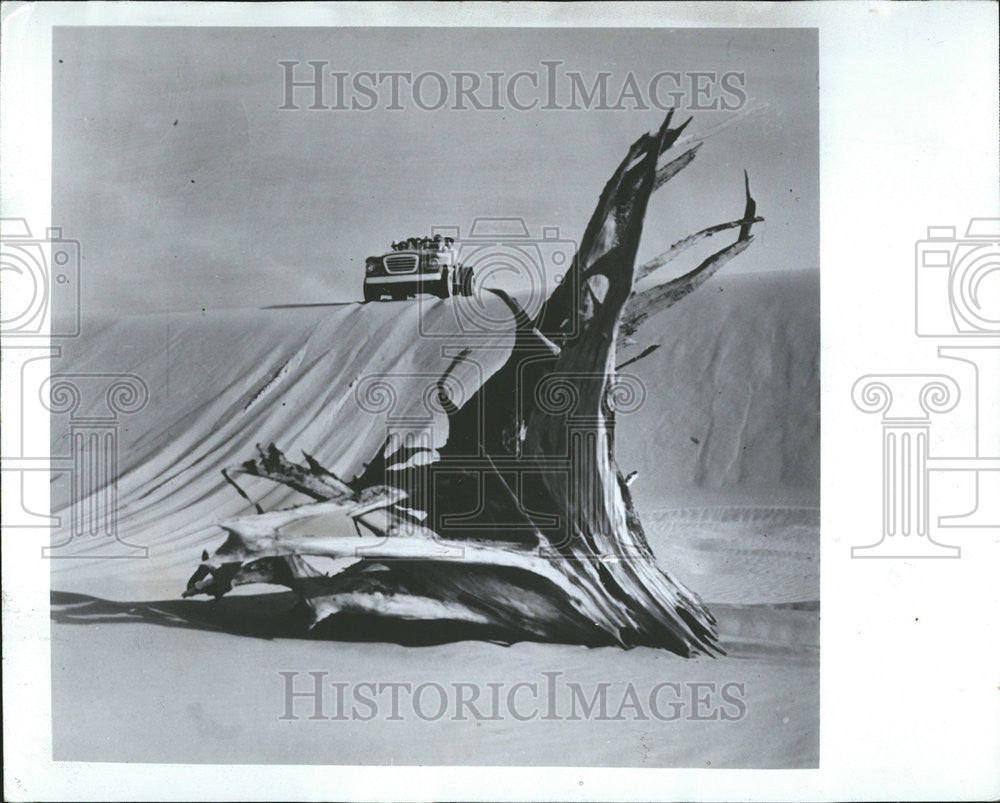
[523, 528]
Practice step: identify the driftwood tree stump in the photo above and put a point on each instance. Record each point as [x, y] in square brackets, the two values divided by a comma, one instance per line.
[554, 550]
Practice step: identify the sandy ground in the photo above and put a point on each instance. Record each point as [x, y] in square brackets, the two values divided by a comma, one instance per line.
[727, 489]
[134, 684]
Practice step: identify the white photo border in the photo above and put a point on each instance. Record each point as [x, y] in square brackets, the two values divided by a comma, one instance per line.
[910, 693]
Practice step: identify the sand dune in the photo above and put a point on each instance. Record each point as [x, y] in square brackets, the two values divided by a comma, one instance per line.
[726, 448]
[733, 391]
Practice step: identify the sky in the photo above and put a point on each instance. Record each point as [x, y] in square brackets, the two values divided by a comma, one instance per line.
[188, 187]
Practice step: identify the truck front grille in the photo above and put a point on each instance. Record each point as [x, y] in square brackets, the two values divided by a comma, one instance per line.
[401, 263]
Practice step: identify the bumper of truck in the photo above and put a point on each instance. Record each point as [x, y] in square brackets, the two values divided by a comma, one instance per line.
[395, 280]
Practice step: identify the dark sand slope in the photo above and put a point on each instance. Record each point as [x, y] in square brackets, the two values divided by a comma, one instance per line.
[139, 675]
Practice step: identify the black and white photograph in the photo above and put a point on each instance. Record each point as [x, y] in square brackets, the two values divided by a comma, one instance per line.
[437, 395]
[469, 407]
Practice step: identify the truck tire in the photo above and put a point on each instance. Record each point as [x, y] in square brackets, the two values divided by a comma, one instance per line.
[371, 294]
[441, 287]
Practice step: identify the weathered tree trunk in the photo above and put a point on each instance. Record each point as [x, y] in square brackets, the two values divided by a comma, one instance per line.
[555, 549]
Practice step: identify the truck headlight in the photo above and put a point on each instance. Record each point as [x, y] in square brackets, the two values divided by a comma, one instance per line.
[369, 267]
[435, 262]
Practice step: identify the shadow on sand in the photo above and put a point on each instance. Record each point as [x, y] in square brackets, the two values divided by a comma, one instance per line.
[747, 630]
[265, 616]
[258, 615]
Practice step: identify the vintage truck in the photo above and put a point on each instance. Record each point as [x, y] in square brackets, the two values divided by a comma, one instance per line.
[417, 266]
